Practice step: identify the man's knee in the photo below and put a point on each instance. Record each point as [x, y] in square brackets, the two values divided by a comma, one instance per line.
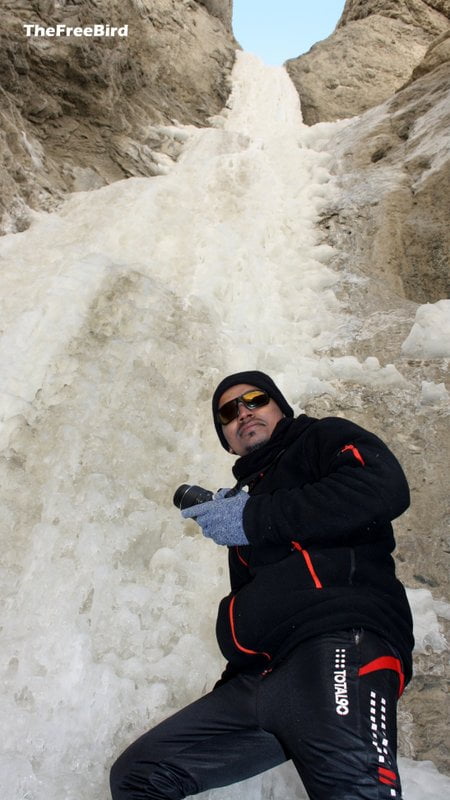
[142, 779]
[118, 778]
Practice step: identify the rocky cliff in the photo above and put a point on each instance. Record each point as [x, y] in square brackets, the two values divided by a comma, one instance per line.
[77, 113]
[402, 152]
[373, 51]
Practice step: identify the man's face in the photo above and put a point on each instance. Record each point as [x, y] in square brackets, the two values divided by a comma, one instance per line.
[252, 427]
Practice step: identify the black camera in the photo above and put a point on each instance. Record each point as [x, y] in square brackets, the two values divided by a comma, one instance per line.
[187, 496]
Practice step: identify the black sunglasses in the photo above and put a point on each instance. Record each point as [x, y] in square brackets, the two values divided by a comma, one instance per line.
[253, 398]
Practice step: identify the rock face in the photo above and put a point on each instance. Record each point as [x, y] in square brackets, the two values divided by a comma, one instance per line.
[389, 225]
[78, 113]
[370, 55]
[222, 9]
[402, 237]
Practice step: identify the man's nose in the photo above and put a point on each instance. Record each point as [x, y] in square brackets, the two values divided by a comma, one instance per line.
[243, 411]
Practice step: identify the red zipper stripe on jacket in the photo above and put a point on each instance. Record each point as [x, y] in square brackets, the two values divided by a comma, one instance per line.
[309, 564]
[235, 640]
[240, 557]
[385, 662]
[355, 452]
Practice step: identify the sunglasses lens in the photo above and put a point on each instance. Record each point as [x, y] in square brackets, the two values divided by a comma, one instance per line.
[254, 398]
[228, 412]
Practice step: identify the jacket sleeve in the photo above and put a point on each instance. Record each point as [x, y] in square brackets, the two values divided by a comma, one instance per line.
[357, 485]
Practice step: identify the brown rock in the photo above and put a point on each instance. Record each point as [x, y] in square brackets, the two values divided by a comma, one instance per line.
[438, 53]
[81, 112]
[222, 9]
[400, 150]
[372, 53]
[420, 13]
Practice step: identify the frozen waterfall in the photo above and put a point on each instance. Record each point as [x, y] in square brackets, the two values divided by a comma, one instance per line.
[120, 313]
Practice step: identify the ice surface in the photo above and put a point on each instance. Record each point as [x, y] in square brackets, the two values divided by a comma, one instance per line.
[421, 779]
[434, 394]
[426, 610]
[119, 315]
[430, 334]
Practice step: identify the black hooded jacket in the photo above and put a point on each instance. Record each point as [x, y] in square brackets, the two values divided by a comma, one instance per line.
[323, 494]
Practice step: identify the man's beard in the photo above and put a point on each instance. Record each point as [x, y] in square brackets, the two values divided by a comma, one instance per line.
[252, 447]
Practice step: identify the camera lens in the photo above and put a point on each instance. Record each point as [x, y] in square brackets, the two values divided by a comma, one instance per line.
[187, 496]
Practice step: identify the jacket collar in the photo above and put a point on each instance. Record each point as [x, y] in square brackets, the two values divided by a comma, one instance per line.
[287, 431]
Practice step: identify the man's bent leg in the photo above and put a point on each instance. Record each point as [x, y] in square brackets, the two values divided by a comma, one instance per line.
[335, 714]
[213, 742]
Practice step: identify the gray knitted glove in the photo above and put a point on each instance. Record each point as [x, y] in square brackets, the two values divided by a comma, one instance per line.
[221, 518]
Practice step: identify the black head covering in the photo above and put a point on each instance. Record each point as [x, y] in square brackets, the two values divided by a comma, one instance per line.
[253, 378]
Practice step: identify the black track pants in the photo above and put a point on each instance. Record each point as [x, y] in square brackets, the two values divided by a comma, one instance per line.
[330, 707]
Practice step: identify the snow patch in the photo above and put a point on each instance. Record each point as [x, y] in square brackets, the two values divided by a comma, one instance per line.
[430, 334]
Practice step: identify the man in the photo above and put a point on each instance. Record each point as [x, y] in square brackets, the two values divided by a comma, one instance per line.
[316, 630]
